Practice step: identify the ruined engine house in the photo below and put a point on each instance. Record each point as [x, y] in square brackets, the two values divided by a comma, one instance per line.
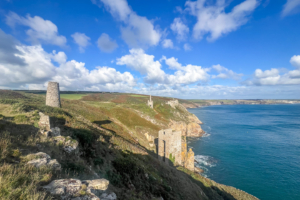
[169, 146]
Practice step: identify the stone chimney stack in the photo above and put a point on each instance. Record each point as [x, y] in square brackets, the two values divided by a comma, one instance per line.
[53, 95]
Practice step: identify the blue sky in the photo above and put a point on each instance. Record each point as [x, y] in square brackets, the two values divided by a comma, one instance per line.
[225, 49]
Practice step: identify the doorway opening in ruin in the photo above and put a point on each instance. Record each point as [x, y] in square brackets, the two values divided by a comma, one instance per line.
[164, 158]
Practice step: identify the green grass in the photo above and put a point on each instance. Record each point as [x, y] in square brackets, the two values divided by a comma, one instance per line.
[136, 95]
[72, 96]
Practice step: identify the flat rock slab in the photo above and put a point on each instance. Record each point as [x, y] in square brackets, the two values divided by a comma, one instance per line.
[97, 184]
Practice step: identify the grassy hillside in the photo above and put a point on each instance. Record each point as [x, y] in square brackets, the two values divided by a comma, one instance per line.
[110, 130]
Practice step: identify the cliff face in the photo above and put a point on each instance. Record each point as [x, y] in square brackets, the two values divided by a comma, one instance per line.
[191, 128]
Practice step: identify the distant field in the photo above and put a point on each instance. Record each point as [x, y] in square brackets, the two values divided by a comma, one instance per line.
[136, 95]
[72, 96]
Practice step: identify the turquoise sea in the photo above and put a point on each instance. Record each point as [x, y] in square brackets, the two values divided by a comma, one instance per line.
[255, 148]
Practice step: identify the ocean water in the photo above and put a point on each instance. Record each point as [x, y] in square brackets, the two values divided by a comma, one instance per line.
[255, 148]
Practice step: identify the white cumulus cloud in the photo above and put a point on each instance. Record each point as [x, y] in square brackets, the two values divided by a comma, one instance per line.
[187, 47]
[81, 40]
[167, 43]
[213, 20]
[145, 64]
[154, 74]
[137, 31]
[106, 44]
[33, 66]
[40, 30]
[225, 73]
[180, 29]
[275, 77]
[295, 61]
[291, 7]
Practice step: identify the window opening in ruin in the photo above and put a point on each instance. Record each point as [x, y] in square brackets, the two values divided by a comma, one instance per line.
[164, 158]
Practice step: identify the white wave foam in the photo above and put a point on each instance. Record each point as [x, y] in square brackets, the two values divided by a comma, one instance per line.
[202, 160]
[206, 135]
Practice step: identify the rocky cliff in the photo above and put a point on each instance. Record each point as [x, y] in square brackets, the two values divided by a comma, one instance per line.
[200, 103]
[189, 128]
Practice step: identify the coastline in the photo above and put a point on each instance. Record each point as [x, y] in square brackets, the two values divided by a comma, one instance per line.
[202, 103]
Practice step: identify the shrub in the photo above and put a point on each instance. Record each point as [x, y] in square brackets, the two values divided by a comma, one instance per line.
[21, 119]
[114, 178]
[172, 158]
[85, 137]
[98, 161]
[73, 167]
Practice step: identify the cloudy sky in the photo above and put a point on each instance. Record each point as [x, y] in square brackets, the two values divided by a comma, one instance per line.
[224, 49]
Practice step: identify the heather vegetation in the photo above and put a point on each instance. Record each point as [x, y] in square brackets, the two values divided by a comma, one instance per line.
[110, 130]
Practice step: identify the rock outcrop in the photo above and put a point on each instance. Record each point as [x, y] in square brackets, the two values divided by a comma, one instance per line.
[194, 130]
[42, 159]
[191, 129]
[80, 190]
[198, 170]
[69, 145]
[189, 163]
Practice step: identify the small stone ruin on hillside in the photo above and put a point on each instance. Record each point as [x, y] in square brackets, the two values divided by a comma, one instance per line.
[150, 103]
[173, 103]
[53, 95]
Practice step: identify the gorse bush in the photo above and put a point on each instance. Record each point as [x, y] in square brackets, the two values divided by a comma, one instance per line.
[85, 137]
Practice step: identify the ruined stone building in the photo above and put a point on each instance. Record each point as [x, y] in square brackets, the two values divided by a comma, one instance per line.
[53, 95]
[169, 146]
[172, 147]
[173, 103]
[150, 103]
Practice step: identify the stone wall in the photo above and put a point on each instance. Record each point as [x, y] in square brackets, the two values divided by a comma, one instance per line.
[169, 146]
[53, 95]
[44, 122]
[173, 103]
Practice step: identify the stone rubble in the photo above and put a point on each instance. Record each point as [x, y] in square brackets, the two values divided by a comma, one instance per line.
[43, 160]
[55, 131]
[75, 189]
[69, 145]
